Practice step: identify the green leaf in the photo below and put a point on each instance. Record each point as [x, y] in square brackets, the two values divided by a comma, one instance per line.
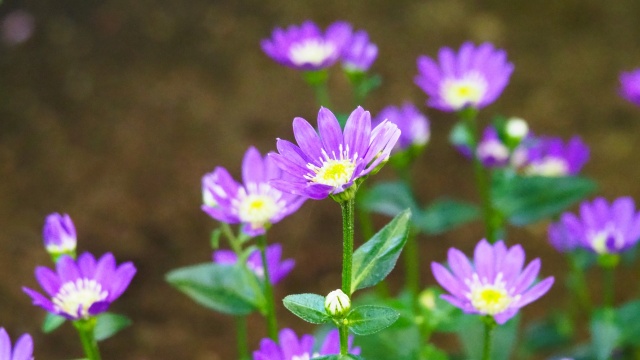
[215, 238]
[471, 333]
[369, 319]
[109, 324]
[308, 307]
[228, 289]
[375, 259]
[605, 334]
[52, 322]
[444, 215]
[629, 321]
[525, 200]
[460, 136]
[388, 198]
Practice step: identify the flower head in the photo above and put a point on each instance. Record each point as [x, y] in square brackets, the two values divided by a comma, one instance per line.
[474, 77]
[305, 47]
[83, 288]
[337, 303]
[59, 235]
[277, 269]
[491, 150]
[550, 156]
[256, 204]
[358, 53]
[413, 125]
[293, 348]
[328, 163]
[630, 86]
[495, 284]
[22, 351]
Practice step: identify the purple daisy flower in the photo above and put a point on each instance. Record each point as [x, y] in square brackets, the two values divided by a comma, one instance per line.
[329, 162]
[256, 204]
[630, 86]
[562, 237]
[292, 348]
[359, 53]
[277, 269]
[604, 228]
[494, 284]
[83, 288]
[550, 156]
[304, 47]
[474, 77]
[59, 234]
[22, 351]
[413, 125]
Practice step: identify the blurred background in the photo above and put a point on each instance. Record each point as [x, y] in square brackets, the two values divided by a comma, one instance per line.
[112, 110]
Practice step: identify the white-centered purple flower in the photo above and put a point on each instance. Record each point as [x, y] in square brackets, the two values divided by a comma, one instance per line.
[277, 267]
[23, 350]
[328, 162]
[256, 203]
[291, 347]
[494, 284]
[305, 47]
[630, 86]
[359, 53]
[551, 156]
[59, 234]
[602, 227]
[474, 77]
[413, 125]
[83, 288]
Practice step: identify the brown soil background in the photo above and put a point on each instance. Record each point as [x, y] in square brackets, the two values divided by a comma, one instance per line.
[114, 110]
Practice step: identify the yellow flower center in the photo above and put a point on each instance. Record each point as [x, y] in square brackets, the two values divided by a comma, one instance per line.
[78, 295]
[468, 90]
[490, 299]
[333, 172]
[550, 166]
[312, 52]
[257, 209]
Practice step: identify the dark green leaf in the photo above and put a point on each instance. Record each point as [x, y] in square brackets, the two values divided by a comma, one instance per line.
[109, 324]
[605, 334]
[388, 198]
[229, 289]
[629, 320]
[375, 259]
[308, 307]
[551, 333]
[369, 319]
[52, 322]
[444, 215]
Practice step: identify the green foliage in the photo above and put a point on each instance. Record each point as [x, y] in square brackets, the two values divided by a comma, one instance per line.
[339, 357]
[308, 307]
[52, 322]
[470, 330]
[109, 324]
[369, 319]
[605, 333]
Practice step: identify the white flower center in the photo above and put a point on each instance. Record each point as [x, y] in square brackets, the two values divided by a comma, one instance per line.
[551, 166]
[493, 149]
[258, 203]
[311, 51]
[335, 171]
[67, 245]
[489, 298]
[76, 297]
[606, 241]
[468, 90]
[305, 356]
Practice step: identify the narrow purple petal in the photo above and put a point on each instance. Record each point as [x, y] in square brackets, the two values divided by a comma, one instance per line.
[121, 280]
[307, 139]
[535, 292]
[330, 131]
[48, 280]
[253, 170]
[23, 350]
[5, 345]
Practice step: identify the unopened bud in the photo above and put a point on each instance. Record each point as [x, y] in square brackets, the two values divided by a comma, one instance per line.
[59, 235]
[337, 303]
[517, 128]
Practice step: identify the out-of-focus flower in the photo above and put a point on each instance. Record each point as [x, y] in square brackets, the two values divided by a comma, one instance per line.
[292, 348]
[22, 351]
[256, 204]
[337, 303]
[495, 284]
[17, 27]
[630, 86]
[491, 151]
[83, 288]
[413, 125]
[604, 228]
[550, 156]
[328, 163]
[562, 237]
[59, 235]
[474, 77]
[359, 53]
[305, 47]
[277, 269]
[516, 129]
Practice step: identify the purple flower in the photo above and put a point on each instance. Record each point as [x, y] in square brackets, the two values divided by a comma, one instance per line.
[413, 125]
[358, 54]
[83, 288]
[494, 284]
[256, 204]
[59, 234]
[328, 163]
[292, 348]
[550, 156]
[474, 77]
[22, 351]
[563, 237]
[604, 228]
[630, 86]
[304, 47]
[277, 269]
[491, 150]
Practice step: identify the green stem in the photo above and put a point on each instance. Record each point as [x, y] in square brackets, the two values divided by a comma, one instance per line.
[241, 336]
[489, 325]
[578, 285]
[85, 329]
[272, 325]
[318, 81]
[347, 243]
[344, 339]
[609, 288]
[236, 246]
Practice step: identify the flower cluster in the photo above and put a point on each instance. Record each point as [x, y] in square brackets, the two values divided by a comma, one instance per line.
[277, 269]
[290, 347]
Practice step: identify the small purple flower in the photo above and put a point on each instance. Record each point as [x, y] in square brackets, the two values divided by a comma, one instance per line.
[22, 351]
[328, 163]
[550, 156]
[630, 86]
[359, 54]
[413, 125]
[494, 284]
[304, 47]
[277, 269]
[562, 237]
[292, 348]
[83, 288]
[474, 77]
[255, 203]
[604, 228]
[59, 234]
[491, 151]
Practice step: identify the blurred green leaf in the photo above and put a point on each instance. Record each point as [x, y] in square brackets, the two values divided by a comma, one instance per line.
[308, 307]
[547, 334]
[628, 316]
[445, 214]
[369, 319]
[470, 330]
[388, 198]
[460, 136]
[52, 322]
[605, 333]
[110, 324]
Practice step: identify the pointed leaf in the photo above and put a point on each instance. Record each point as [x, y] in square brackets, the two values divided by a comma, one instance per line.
[369, 319]
[308, 307]
[52, 322]
[109, 324]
